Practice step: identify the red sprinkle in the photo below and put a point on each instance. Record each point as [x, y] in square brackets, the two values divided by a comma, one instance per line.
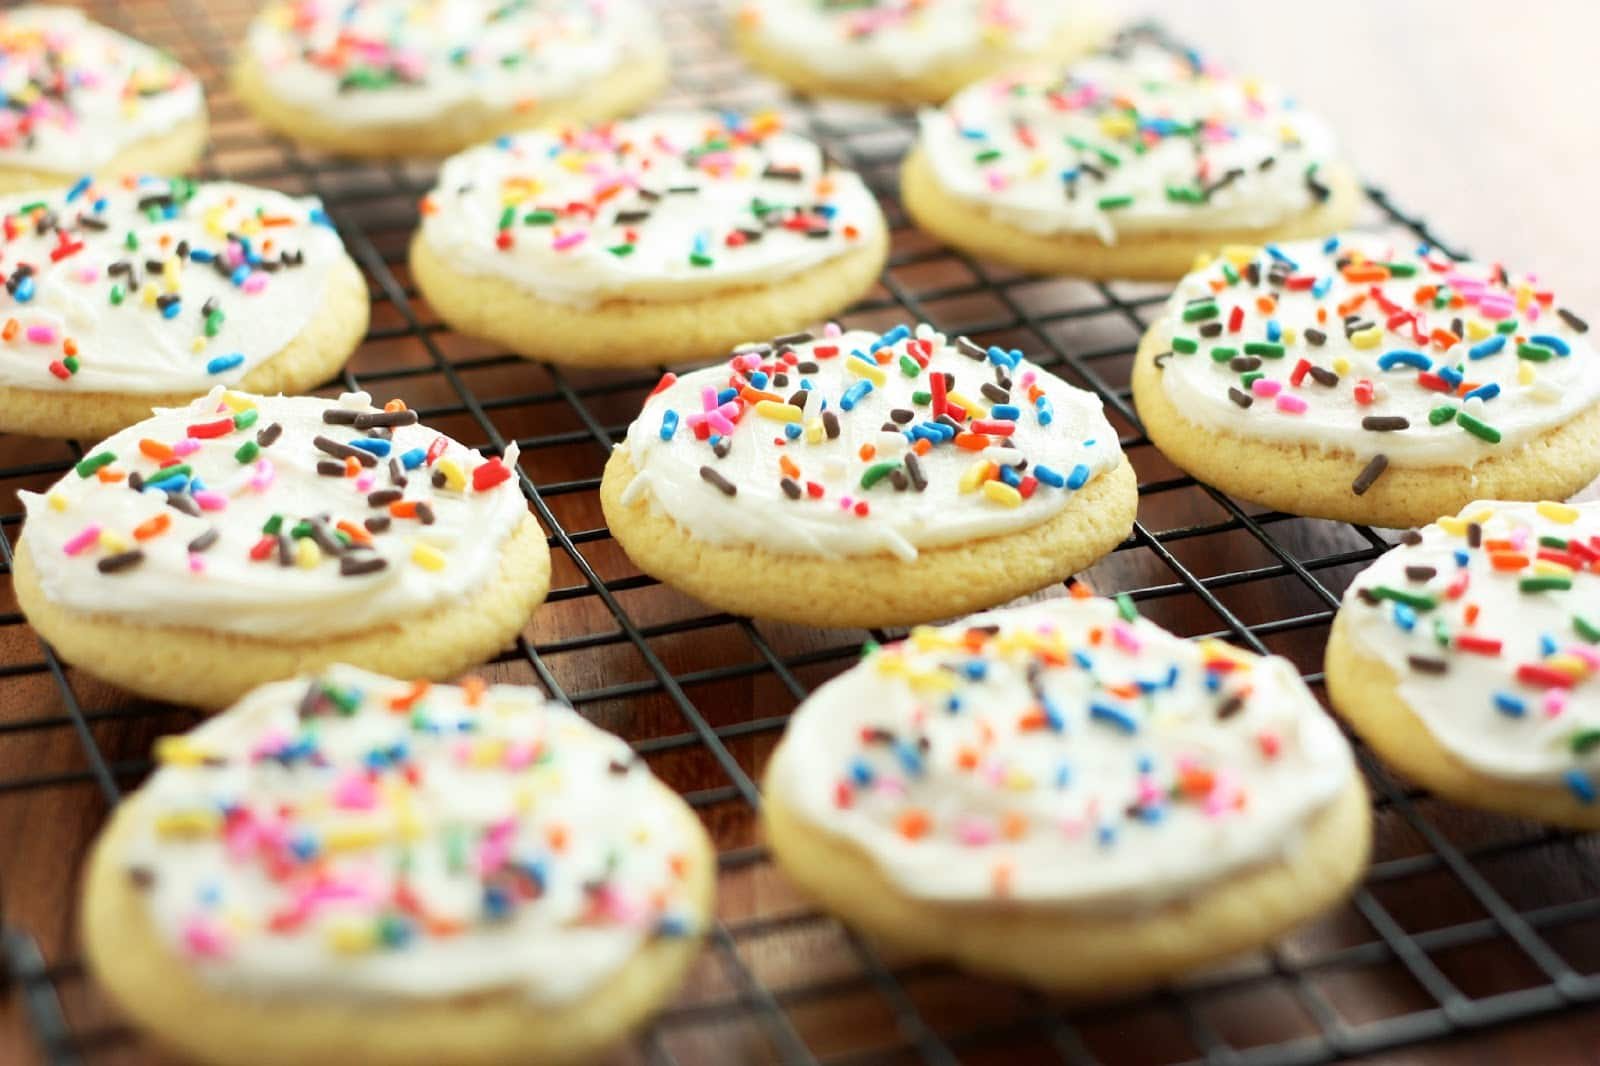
[489, 474]
[220, 428]
[435, 450]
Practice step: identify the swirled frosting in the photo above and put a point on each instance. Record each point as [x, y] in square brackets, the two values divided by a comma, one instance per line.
[1360, 345]
[273, 516]
[383, 62]
[667, 206]
[350, 835]
[1063, 752]
[77, 93]
[862, 443]
[146, 285]
[1144, 136]
[902, 38]
[1491, 622]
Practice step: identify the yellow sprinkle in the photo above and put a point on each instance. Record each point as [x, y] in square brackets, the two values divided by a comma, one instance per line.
[1117, 124]
[1001, 493]
[349, 938]
[814, 431]
[250, 227]
[1525, 374]
[237, 401]
[742, 170]
[178, 751]
[1570, 665]
[150, 295]
[974, 475]
[1551, 568]
[488, 752]
[971, 406]
[1367, 338]
[1557, 512]
[58, 502]
[927, 638]
[1218, 649]
[869, 370]
[1018, 780]
[893, 666]
[197, 345]
[1524, 297]
[933, 681]
[1289, 336]
[1201, 261]
[779, 412]
[306, 553]
[454, 479]
[195, 823]
[113, 542]
[1239, 254]
[1480, 516]
[427, 556]
[1476, 330]
[1456, 527]
[1037, 166]
[1341, 366]
[353, 837]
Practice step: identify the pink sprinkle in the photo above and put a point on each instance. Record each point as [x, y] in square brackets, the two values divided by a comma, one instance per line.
[85, 539]
[831, 330]
[186, 446]
[264, 473]
[569, 240]
[1588, 655]
[845, 503]
[197, 563]
[997, 181]
[974, 832]
[254, 283]
[1555, 701]
[204, 939]
[1149, 792]
[1291, 404]
[42, 334]
[1122, 635]
[211, 500]
[520, 755]
[708, 399]
[365, 482]
[720, 423]
[1266, 387]
[355, 793]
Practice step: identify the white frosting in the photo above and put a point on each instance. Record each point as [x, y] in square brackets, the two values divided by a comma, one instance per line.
[78, 93]
[580, 215]
[903, 38]
[1495, 702]
[383, 62]
[221, 586]
[1534, 395]
[104, 303]
[360, 850]
[1056, 152]
[1068, 433]
[971, 768]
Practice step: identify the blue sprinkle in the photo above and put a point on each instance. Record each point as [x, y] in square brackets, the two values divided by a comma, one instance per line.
[1547, 644]
[1450, 374]
[1083, 660]
[894, 336]
[224, 363]
[1149, 815]
[1009, 475]
[1402, 357]
[672, 926]
[24, 291]
[1171, 680]
[413, 458]
[320, 217]
[1462, 557]
[1144, 763]
[1555, 344]
[953, 705]
[200, 255]
[1485, 392]
[975, 669]
[79, 187]
[303, 847]
[373, 445]
[1274, 331]
[1320, 287]
[1049, 477]
[1507, 704]
[1047, 410]
[1213, 681]
[1484, 349]
[669, 425]
[1580, 786]
[1079, 477]
[1063, 775]
[1405, 617]
[854, 394]
[1008, 411]
[1106, 835]
[758, 379]
[1113, 716]
[496, 903]
[1053, 715]
[1070, 175]
[173, 309]
[725, 395]
[860, 772]
[1330, 245]
[909, 757]
[1001, 357]
[791, 430]
[1277, 253]
[240, 274]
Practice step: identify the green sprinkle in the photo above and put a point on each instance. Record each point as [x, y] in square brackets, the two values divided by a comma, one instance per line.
[699, 259]
[71, 363]
[1586, 629]
[1184, 194]
[168, 473]
[1536, 353]
[1125, 607]
[621, 250]
[1200, 311]
[246, 418]
[1508, 326]
[1251, 378]
[909, 367]
[869, 648]
[301, 530]
[94, 462]
[922, 397]
[1111, 203]
[1441, 632]
[1230, 274]
[1222, 354]
[347, 701]
[1545, 583]
[274, 525]
[877, 472]
[116, 295]
[538, 218]
[214, 323]
[987, 156]
[1440, 415]
[1264, 348]
[1481, 430]
[1419, 601]
[30, 208]
[131, 241]
[1583, 741]
[247, 451]
[1402, 270]
[508, 216]
[1548, 541]
[1185, 345]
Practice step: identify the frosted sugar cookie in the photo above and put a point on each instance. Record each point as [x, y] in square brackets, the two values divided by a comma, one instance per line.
[351, 867]
[660, 239]
[1469, 658]
[1127, 164]
[146, 292]
[908, 51]
[80, 97]
[430, 77]
[1366, 381]
[1066, 794]
[244, 539]
[859, 479]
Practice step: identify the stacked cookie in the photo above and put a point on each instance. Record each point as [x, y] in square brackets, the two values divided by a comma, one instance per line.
[1060, 793]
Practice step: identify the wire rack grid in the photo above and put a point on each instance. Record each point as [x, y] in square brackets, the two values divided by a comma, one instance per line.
[1463, 923]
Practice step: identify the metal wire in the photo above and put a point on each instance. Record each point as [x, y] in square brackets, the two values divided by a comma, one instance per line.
[1087, 333]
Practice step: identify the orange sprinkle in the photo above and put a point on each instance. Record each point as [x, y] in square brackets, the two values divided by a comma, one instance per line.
[276, 220]
[972, 442]
[787, 465]
[913, 824]
[10, 332]
[69, 347]
[867, 452]
[750, 394]
[110, 474]
[556, 836]
[403, 509]
[1363, 272]
[923, 446]
[473, 687]
[1081, 590]
[1470, 615]
[1194, 781]
[1266, 304]
[155, 449]
[1032, 722]
[406, 700]
[967, 759]
[679, 865]
[1096, 635]
[1013, 826]
[427, 206]
[152, 528]
[1425, 293]
[353, 531]
[395, 404]
[352, 466]
[1508, 560]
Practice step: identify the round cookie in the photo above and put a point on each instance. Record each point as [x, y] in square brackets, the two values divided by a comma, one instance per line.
[1363, 381]
[908, 51]
[404, 873]
[1127, 164]
[138, 293]
[859, 479]
[82, 97]
[431, 77]
[660, 239]
[244, 539]
[1469, 659]
[1067, 795]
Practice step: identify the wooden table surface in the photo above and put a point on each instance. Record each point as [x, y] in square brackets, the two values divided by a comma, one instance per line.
[1476, 119]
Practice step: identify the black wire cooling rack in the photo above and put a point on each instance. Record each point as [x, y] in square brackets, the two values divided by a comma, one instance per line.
[1464, 922]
